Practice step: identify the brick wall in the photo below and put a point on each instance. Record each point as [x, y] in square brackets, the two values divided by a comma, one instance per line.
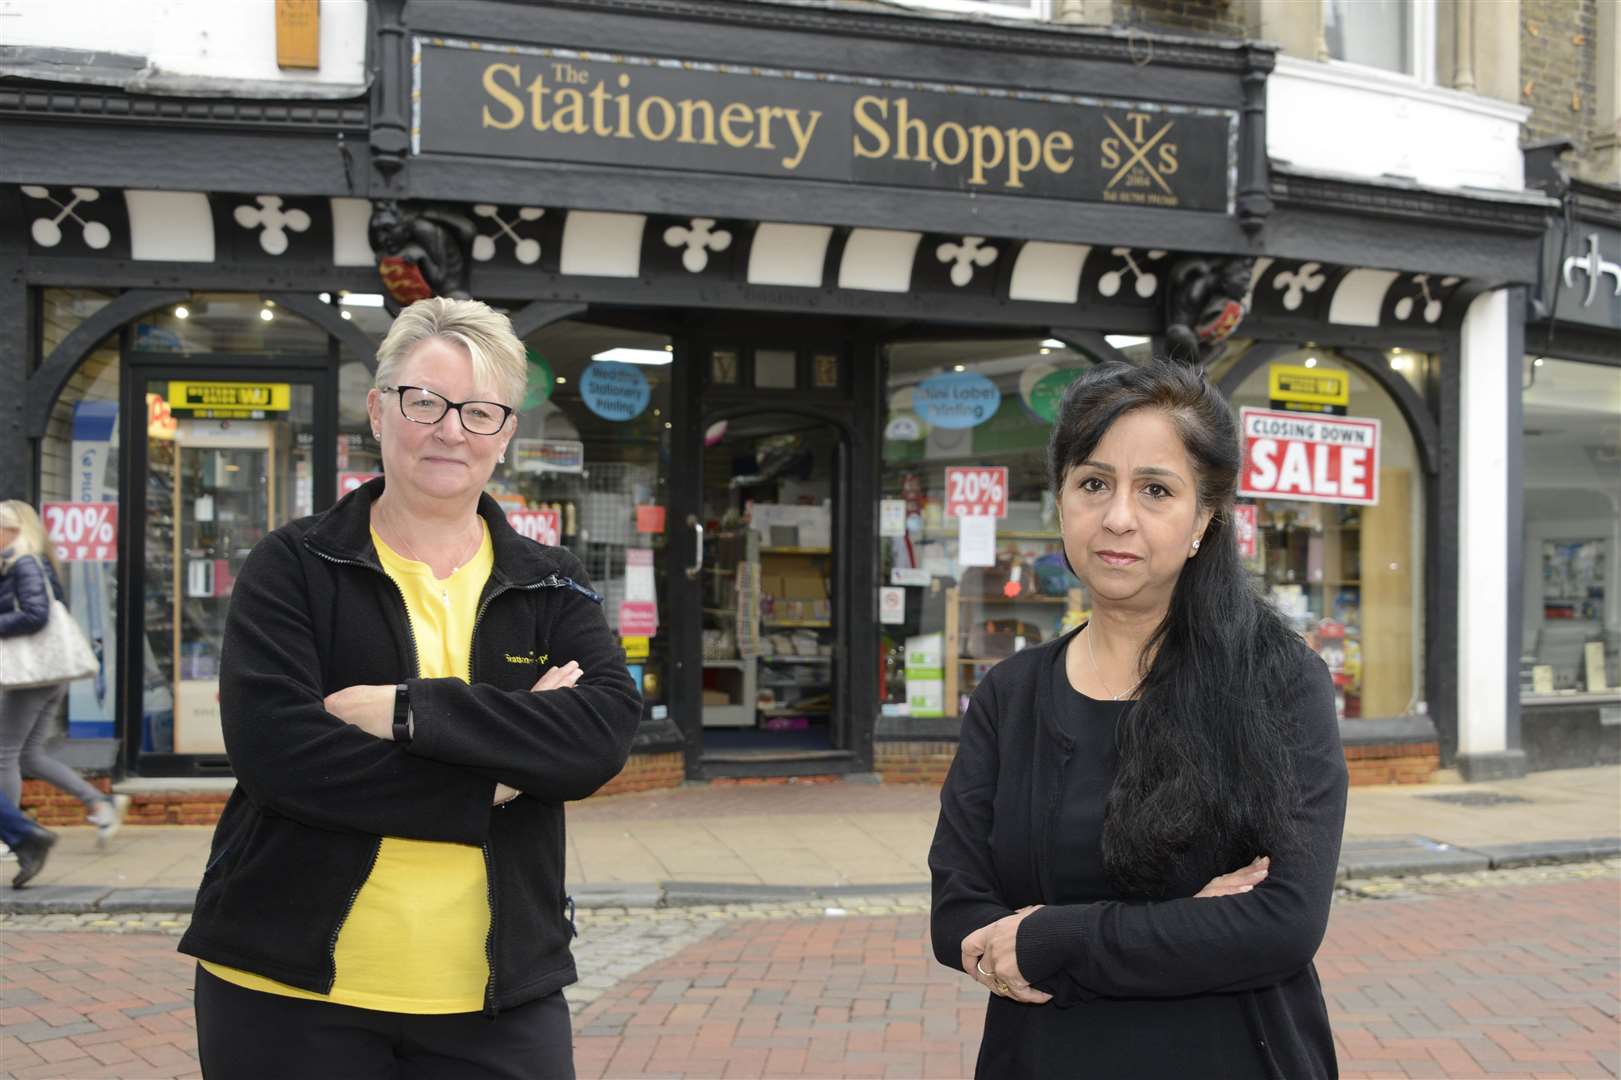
[53, 808]
[1405, 763]
[644, 772]
[913, 762]
[1559, 69]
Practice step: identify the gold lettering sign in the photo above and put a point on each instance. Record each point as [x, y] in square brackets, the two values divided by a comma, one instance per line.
[555, 104]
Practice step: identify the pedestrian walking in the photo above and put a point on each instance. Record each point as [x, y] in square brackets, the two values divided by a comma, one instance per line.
[36, 634]
[1104, 781]
[384, 894]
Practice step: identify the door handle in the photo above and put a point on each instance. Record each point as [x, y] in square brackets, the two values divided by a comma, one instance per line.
[697, 566]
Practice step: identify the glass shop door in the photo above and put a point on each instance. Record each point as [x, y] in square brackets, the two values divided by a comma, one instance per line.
[228, 455]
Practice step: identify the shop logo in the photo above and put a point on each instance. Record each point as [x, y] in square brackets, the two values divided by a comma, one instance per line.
[1596, 267]
[1142, 160]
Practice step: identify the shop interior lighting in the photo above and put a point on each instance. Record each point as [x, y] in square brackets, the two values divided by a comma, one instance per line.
[361, 299]
[266, 314]
[1053, 343]
[1537, 362]
[182, 312]
[1311, 361]
[561, 379]
[959, 367]
[346, 315]
[1125, 341]
[325, 298]
[622, 355]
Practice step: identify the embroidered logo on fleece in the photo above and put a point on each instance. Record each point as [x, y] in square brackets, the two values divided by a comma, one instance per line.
[531, 658]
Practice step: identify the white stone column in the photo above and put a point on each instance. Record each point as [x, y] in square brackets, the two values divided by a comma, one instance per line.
[1489, 524]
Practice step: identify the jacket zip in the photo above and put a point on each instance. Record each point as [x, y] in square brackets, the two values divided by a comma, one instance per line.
[551, 581]
[377, 846]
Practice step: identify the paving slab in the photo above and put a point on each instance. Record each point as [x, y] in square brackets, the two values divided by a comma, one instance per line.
[1403, 856]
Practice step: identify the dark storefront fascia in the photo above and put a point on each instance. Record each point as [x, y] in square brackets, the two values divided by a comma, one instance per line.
[1360, 249]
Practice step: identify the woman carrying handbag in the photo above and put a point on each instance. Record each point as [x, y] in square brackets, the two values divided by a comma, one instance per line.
[41, 651]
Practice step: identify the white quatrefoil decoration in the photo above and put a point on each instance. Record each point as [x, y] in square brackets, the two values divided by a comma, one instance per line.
[1432, 306]
[47, 231]
[271, 221]
[525, 249]
[965, 256]
[699, 239]
[1297, 283]
[1145, 281]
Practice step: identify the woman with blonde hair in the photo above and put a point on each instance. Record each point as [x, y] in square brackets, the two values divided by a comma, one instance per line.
[385, 892]
[30, 577]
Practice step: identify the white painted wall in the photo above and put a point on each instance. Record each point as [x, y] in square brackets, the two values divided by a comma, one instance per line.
[1358, 121]
[229, 40]
[1482, 586]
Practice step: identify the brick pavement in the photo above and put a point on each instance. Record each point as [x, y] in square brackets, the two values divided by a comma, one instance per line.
[1507, 975]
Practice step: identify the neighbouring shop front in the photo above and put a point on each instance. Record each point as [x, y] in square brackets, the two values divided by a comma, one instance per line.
[1570, 661]
[799, 307]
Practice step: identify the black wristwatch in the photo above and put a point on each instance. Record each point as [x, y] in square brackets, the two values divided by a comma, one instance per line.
[402, 713]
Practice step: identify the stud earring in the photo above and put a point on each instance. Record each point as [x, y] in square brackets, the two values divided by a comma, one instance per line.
[503, 458]
[377, 435]
[1196, 545]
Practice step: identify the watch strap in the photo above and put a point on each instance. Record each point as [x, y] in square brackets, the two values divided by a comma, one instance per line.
[402, 713]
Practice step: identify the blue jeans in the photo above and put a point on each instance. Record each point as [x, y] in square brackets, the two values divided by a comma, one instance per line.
[14, 824]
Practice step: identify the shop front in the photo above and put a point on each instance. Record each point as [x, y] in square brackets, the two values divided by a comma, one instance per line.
[799, 306]
[1570, 660]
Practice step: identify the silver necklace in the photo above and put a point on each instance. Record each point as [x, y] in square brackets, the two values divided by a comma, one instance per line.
[1093, 656]
[410, 552]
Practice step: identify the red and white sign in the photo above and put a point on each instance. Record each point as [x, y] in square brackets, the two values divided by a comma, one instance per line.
[979, 491]
[1246, 530]
[83, 531]
[1287, 455]
[348, 481]
[638, 618]
[540, 526]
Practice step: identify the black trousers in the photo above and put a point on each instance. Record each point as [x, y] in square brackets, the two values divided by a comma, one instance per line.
[245, 1034]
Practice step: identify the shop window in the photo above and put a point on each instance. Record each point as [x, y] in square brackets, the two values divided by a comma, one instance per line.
[227, 323]
[79, 465]
[587, 469]
[967, 429]
[1571, 619]
[1394, 35]
[1343, 559]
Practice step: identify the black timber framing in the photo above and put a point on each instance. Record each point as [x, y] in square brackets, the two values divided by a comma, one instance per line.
[18, 475]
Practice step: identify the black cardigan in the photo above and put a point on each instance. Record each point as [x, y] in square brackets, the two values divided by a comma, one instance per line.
[992, 855]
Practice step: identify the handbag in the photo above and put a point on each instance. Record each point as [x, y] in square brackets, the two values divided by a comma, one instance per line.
[57, 652]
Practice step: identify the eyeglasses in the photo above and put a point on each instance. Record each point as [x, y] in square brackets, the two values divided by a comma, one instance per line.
[422, 406]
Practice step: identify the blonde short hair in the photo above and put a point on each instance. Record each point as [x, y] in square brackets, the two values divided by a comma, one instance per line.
[498, 356]
[31, 538]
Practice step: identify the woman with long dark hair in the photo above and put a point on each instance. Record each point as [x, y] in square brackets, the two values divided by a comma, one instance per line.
[1105, 780]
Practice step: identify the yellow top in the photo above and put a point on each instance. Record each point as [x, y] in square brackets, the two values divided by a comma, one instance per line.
[414, 941]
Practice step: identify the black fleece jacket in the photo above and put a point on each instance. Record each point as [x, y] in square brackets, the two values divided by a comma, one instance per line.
[312, 612]
[993, 854]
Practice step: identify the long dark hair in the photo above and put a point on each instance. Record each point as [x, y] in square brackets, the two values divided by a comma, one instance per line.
[1204, 754]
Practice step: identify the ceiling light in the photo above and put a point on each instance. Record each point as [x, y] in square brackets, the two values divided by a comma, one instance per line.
[266, 314]
[346, 314]
[1053, 343]
[182, 312]
[1045, 350]
[1537, 362]
[325, 298]
[650, 357]
[1125, 341]
[561, 380]
[958, 367]
[669, 348]
[362, 299]
[1311, 361]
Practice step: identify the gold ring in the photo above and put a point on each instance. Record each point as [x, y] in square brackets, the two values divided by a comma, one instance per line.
[981, 970]
[1002, 987]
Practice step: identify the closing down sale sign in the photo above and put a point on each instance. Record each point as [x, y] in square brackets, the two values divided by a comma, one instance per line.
[1311, 457]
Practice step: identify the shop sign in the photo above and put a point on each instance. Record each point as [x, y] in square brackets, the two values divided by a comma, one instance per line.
[1309, 458]
[541, 526]
[160, 421]
[1309, 389]
[548, 455]
[1585, 272]
[1247, 530]
[615, 391]
[82, 531]
[637, 647]
[978, 491]
[486, 99]
[638, 618]
[891, 605]
[1048, 391]
[229, 400]
[957, 399]
[348, 481]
